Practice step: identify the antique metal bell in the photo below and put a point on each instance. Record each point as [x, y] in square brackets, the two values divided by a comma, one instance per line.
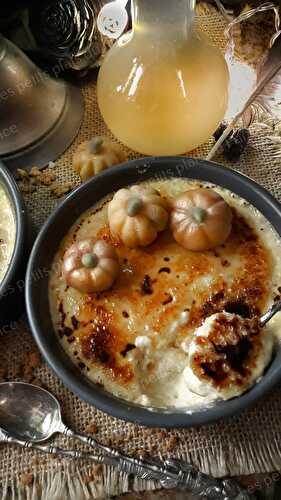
[39, 115]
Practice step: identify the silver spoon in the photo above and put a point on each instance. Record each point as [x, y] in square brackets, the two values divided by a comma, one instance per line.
[55, 450]
[275, 308]
[30, 414]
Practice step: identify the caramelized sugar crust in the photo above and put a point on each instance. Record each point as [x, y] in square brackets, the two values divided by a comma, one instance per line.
[230, 352]
[156, 284]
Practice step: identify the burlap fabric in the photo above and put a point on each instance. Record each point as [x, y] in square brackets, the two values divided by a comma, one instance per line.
[240, 445]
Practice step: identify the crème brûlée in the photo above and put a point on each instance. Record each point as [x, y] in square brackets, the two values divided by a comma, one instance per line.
[139, 339]
[7, 232]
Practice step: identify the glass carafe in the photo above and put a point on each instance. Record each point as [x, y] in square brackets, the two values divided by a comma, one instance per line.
[163, 89]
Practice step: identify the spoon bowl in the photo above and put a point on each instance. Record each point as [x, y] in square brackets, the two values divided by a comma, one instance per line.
[39, 416]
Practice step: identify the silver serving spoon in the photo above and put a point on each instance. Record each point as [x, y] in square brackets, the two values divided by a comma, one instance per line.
[30, 415]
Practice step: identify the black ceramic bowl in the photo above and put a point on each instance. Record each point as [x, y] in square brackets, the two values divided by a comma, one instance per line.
[12, 285]
[47, 244]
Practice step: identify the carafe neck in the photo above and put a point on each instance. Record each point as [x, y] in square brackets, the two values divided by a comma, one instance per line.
[163, 17]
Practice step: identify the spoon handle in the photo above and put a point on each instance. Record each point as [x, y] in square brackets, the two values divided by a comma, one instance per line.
[55, 450]
[170, 473]
[270, 313]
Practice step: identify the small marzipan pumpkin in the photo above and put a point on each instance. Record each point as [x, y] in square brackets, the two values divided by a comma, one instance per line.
[136, 215]
[91, 157]
[201, 219]
[90, 266]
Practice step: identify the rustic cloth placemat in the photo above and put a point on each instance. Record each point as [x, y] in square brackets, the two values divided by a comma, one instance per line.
[240, 445]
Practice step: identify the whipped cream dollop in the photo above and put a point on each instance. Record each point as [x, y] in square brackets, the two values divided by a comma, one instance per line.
[227, 356]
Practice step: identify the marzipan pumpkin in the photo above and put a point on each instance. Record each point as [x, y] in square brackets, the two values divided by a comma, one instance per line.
[100, 153]
[90, 266]
[136, 215]
[201, 219]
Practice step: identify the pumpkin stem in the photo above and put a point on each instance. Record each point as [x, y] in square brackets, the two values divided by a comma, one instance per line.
[89, 260]
[95, 145]
[134, 206]
[199, 214]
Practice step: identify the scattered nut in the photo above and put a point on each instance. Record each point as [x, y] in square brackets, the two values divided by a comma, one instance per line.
[87, 478]
[162, 434]
[34, 359]
[97, 470]
[92, 428]
[172, 443]
[22, 173]
[59, 190]
[35, 177]
[26, 479]
[108, 441]
[42, 176]
[35, 172]
[26, 187]
[47, 180]
[25, 371]
[153, 448]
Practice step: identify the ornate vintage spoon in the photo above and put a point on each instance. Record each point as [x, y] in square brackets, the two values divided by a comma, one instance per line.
[30, 414]
[55, 450]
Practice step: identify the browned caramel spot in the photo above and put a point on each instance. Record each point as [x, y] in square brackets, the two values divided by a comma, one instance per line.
[99, 343]
[128, 348]
[164, 270]
[229, 354]
[74, 322]
[146, 286]
[248, 291]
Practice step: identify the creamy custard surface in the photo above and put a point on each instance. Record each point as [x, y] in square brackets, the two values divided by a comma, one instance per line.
[134, 338]
[7, 232]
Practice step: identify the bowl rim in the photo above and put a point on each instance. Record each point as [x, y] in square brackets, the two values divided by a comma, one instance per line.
[17, 205]
[64, 368]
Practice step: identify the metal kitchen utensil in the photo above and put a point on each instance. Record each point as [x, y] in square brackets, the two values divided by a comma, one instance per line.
[30, 414]
[39, 115]
[275, 308]
[55, 450]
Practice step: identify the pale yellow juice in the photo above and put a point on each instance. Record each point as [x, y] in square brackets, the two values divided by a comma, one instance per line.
[163, 95]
